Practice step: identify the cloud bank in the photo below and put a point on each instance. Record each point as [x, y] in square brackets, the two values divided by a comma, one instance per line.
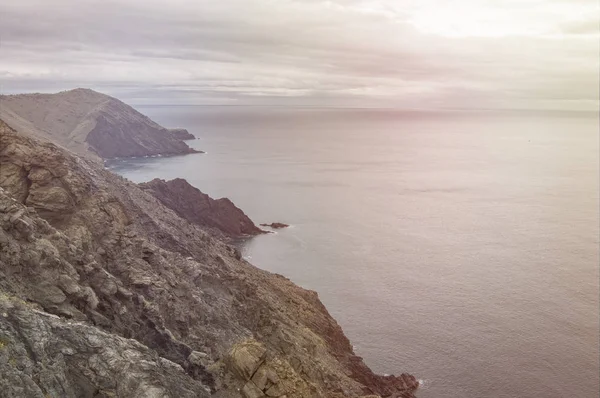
[393, 53]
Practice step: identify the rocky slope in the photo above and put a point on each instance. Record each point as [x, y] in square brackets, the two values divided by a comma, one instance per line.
[199, 208]
[91, 124]
[42, 355]
[104, 291]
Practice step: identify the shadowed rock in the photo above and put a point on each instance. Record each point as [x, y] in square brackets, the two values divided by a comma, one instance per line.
[199, 208]
[120, 288]
[182, 134]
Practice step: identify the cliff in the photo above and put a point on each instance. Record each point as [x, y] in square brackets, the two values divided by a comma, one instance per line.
[199, 208]
[182, 134]
[104, 291]
[91, 124]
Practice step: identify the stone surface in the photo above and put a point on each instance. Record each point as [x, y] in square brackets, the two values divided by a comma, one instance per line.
[42, 355]
[245, 358]
[107, 262]
[260, 378]
[251, 391]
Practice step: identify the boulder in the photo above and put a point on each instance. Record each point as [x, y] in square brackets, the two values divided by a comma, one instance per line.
[244, 358]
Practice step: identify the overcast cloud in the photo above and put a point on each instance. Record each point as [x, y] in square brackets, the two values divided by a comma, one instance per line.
[400, 53]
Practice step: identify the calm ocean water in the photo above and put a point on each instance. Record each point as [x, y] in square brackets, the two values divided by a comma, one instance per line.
[460, 247]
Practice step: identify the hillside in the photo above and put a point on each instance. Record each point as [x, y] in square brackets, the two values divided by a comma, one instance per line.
[91, 124]
[104, 291]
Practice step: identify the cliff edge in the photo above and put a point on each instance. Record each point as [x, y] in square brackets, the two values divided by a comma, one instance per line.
[104, 291]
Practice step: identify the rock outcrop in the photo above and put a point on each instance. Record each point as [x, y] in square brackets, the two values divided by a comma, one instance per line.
[275, 225]
[104, 291]
[199, 208]
[91, 124]
[182, 134]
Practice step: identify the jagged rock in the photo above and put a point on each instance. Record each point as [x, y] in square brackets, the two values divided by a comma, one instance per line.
[200, 359]
[264, 377]
[68, 285]
[245, 358]
[197, 207]
[260, 378]
[15, 176]
[50, 294]
[42, 356]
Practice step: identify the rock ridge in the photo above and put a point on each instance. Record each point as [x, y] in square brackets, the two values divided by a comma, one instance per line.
[92, 124]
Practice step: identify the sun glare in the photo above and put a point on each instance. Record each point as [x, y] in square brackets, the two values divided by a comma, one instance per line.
[473, 21]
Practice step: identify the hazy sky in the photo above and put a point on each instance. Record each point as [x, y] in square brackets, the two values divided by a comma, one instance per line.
[401, 53]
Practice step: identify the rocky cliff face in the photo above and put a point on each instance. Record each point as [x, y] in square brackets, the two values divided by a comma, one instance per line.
[104, 291]
[43, 355]
[91, 124]
[182, 134]
[199, 208]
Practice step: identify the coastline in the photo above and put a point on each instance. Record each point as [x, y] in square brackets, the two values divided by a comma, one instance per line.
[203, 303]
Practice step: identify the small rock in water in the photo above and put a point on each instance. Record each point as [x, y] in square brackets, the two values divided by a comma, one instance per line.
[275, 225]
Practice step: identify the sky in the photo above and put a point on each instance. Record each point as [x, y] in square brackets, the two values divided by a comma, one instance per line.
[509, 54]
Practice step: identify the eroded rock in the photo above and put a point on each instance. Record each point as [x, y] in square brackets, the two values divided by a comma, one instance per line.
[45, 356]
[245, 358]
[250, 390]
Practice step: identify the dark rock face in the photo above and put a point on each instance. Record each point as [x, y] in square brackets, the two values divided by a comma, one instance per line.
[115, 136]
[199, 208]
[110, 140]
[98, 278]
[275, 225]
[182, 134]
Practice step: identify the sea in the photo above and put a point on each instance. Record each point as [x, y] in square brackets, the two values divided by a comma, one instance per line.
[459, 246]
